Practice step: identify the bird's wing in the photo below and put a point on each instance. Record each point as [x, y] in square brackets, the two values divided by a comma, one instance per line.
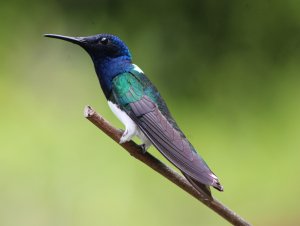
[140, 104]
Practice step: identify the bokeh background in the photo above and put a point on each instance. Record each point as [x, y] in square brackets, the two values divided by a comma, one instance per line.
[229, 72]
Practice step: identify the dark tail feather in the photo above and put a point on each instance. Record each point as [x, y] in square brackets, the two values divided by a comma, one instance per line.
[199, 186]
[218, 186]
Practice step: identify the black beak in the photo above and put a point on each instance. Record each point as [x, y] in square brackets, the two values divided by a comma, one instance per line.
[76, 40]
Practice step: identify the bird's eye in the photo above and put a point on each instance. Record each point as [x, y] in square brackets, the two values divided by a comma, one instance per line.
[104, 41]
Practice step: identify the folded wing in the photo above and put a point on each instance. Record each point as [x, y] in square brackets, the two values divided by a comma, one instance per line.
[175, 147]
[142, 103]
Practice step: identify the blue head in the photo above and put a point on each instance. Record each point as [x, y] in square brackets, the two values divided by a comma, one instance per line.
[109, 53]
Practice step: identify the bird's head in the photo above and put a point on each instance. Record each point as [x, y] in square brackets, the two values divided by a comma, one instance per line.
[109, 54]
[101, 47]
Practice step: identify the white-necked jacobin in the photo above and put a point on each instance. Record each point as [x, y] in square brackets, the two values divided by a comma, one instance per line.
[139, 106]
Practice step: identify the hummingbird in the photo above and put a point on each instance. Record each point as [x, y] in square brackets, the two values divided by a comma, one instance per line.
[137, 103]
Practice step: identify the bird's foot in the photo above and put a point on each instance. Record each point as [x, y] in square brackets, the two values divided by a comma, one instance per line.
[126, 136]
[143, 148]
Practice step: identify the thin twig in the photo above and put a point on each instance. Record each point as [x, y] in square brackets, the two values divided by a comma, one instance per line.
[161, 168]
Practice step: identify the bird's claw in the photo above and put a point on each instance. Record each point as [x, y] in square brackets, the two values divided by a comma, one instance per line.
[143, 148]
[124, 138]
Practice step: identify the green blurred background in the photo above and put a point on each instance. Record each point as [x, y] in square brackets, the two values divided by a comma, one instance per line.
[229, 71]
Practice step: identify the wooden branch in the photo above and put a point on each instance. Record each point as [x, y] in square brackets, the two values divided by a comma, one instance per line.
[161, 168]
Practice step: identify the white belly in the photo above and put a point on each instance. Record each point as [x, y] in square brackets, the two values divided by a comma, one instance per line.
[131, 128]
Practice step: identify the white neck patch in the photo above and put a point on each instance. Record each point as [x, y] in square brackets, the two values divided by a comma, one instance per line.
[136, 68]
